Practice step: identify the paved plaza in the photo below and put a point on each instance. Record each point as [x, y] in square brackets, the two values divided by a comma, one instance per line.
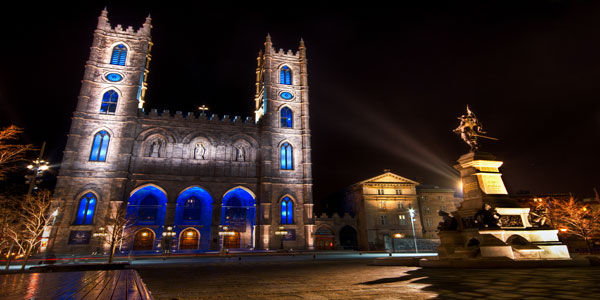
[356, 279]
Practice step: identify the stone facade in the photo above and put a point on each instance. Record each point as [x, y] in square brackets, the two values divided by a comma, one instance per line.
[431, 201]
[167, 154]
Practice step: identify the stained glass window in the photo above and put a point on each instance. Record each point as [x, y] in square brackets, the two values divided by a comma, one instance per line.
[109, 102]
[285, 76]
[148, 209]
[287, 211]
[100, 146]
[118, 55]
[85, 213]
[192, 210]
[287, 162]
[286, 117]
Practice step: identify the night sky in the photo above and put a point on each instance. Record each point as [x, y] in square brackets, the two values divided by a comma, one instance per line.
[386, 84]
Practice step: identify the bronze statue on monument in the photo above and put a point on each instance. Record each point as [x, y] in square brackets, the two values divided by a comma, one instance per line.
[470, 129]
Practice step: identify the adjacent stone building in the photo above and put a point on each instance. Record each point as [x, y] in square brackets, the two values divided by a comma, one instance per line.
[191, 175]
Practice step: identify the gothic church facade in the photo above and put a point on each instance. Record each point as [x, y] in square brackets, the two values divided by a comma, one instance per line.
[184, 177]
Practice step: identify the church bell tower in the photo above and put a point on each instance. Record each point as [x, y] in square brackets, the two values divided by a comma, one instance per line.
[285, 172]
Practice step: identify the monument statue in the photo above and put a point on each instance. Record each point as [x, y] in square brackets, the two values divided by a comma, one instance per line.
[470, 129]
[487, 217]
[199, 151]
[538, 215]
[241, 156]
[155, 149]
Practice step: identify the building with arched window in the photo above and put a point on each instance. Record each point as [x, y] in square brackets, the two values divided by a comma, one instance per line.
[184, 178]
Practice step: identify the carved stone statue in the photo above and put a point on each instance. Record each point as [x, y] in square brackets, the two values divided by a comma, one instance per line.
[470, 129]
[241, 155]
[538, 215]
[448, 222]
[155, 148]
[199, 151]
[487, 217]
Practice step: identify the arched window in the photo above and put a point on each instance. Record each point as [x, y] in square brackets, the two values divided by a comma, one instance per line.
[192, 209]
[109, 102]
[286, 117]
[118, 56]
[287, 153]
[100, 146]
[85, 213]
[285, 76]
[148, 209]
[287, 211]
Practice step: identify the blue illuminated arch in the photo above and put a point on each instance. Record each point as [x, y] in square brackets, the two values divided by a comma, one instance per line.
[119, 54]
[238, 208]
[287, 154]
[87, 206]
[100, 146]
[285, 75]
[287, 211]
[194, 207]
[148, 205]
[109, 102]
[286, 117]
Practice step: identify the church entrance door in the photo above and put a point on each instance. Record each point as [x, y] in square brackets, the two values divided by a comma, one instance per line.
[188, 239]
[143, 240]
[232, 241]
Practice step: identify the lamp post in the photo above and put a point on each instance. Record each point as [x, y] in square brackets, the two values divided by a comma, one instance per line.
[281, 232]
[101, 235]
[38, 167]
[167, 240]
[412, 223]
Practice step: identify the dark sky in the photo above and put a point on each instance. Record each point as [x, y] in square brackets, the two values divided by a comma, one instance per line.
[386, 84]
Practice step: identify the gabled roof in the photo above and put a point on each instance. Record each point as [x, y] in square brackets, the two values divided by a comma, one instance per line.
[387, 177]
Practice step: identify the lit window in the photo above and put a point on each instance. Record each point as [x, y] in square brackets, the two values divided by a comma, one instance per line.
[402, 219]
[286, 117]
[287, 151]
[383, 219]
[118, 55]
[380, 192]
[100, 146]
[87, 205]
[398, 192]
[287, 211]
[400, 205]
[382, 204]
[285, 76]
[109, 102]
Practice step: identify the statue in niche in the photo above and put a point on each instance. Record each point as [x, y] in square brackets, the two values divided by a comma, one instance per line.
[470, 129]
[199, 151]
[487, 217]
[155, 148]
[241, 153]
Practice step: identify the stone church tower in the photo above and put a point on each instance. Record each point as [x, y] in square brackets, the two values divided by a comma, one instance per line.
[184, 178]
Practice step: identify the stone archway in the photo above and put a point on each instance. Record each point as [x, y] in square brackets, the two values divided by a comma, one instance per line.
[189, 239]
[143, 240]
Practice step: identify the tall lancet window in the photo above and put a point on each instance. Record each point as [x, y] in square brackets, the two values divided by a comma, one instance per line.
[285, 76]
[287, 153]
[100, 146]
[287, 211]
[109, 102]
[85, 213]
[119, 54]
[286, 117]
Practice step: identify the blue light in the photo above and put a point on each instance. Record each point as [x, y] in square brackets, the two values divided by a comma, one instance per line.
[100, 146]
[238, 209]
[85, 213]
[114, 77]
[285, 75]
[287, 211]
[118, 55]
[286, 95]
[287, 162]
[109, 102]
[286, 117]
[194, 207]
[148, 206]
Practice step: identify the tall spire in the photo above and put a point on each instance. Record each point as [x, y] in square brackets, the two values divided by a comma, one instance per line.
[268, 44]
[302, 49]
[147, 25]
[103, 19]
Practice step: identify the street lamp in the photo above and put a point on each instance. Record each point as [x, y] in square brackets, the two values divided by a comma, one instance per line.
[38, 167]
[281, 232]
[412, 223]
[167, 240]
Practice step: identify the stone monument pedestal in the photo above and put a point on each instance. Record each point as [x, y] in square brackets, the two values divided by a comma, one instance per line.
[510, 235]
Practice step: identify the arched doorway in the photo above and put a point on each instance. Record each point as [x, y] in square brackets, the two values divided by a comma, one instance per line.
[194, 208]
[238, 216]
[188, 239]
[348, 239]
[143, 240]
[324, 238]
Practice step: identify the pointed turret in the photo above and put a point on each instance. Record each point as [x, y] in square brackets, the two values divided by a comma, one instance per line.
[147, 25]
[103, 19]
[302, 49]
[268, 44]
